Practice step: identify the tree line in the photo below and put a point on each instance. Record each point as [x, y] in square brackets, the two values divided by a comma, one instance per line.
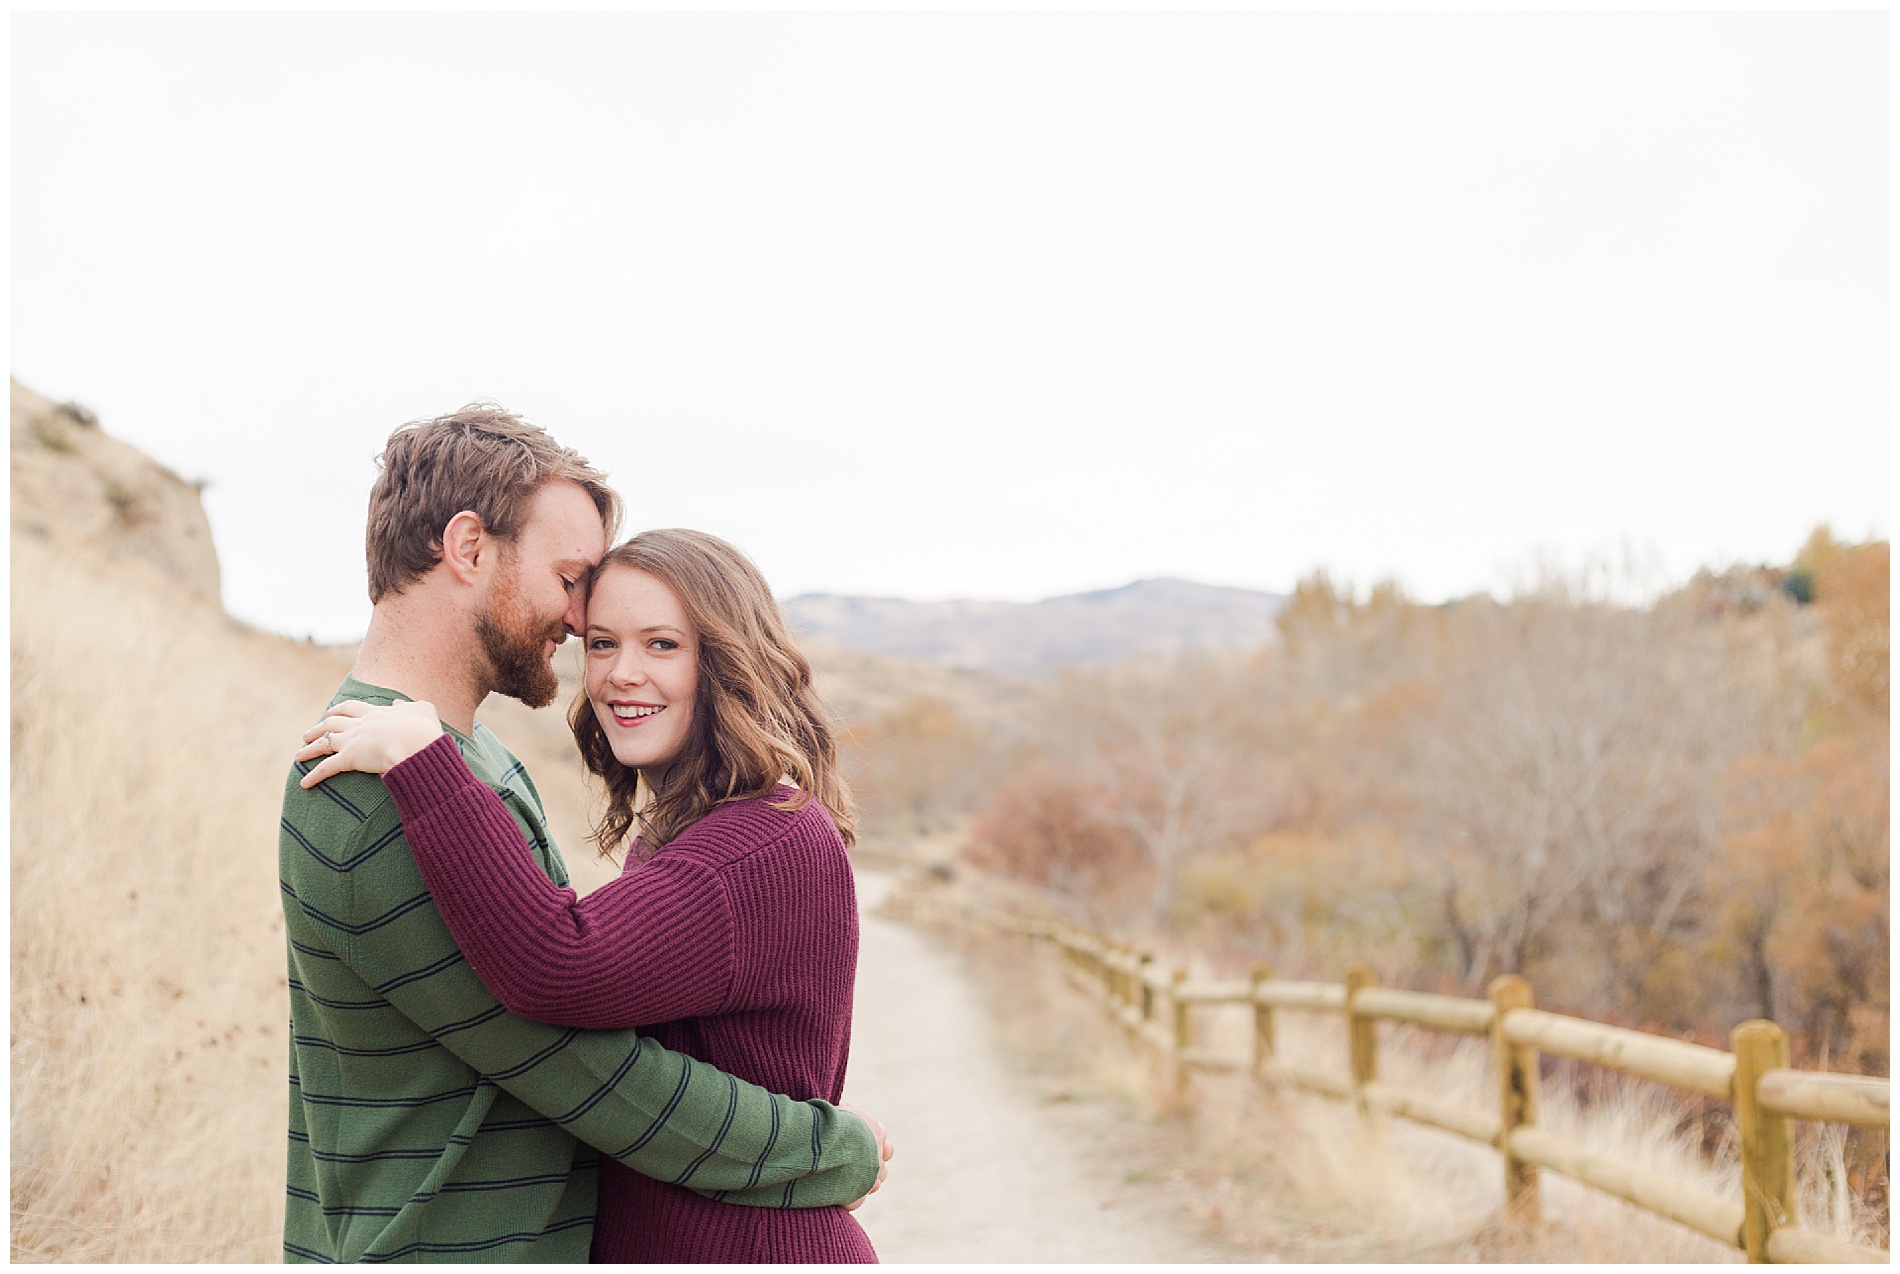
[1669, 811]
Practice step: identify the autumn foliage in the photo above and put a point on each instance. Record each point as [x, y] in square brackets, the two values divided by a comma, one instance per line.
[1666, 811]
[1049, 831]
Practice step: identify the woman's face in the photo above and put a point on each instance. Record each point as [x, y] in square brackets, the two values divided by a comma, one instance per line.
[642, 667]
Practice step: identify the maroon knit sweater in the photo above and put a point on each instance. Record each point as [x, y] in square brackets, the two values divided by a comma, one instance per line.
[736, 944]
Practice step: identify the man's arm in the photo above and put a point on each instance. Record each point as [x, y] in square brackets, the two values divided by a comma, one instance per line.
[659, 1112]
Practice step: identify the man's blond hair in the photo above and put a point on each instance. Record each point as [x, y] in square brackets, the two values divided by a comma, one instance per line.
[482, 460]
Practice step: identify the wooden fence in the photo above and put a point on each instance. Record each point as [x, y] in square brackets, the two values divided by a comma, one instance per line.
[1156, 1006]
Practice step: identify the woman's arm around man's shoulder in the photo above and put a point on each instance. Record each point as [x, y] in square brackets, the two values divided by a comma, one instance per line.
[656, 944]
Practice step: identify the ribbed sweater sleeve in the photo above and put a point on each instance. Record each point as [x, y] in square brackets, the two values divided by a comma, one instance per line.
[651, 946]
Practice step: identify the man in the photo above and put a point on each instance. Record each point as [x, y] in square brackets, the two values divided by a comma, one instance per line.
[427, 1122]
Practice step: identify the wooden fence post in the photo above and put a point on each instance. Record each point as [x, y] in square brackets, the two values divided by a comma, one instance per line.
[1134, 992]
[1767, 1150]
[1182, 1035]
[1262, 1021]
[1517, 1097]
[1143, 989]
[1362, 1037]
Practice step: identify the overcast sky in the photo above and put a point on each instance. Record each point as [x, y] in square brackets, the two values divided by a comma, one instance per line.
[982, 304]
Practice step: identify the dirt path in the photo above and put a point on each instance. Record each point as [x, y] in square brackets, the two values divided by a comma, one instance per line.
[981, 1173]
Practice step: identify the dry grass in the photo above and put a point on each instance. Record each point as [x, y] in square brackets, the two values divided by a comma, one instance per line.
[150, 736]
[1297, 1177]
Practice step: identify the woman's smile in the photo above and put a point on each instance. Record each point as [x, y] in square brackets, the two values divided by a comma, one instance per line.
[640, 643]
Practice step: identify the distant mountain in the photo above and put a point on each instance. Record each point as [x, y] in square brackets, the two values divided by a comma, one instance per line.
[1037, 637]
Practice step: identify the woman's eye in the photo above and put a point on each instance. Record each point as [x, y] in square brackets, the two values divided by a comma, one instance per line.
[664, 643]
[600, 643]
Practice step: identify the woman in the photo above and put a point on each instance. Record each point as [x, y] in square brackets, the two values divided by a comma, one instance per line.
[732, 934]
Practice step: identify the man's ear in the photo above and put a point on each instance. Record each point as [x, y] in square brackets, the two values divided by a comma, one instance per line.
[464, 541]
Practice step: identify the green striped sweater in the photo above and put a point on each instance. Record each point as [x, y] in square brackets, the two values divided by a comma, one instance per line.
[428, 1124]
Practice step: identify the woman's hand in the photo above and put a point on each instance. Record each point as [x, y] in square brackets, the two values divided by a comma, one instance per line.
[361, 736]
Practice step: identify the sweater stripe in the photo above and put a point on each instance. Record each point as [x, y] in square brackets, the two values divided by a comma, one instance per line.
[566, 1038]
[395, 1050]
[659, 1122]
[345, 1005]
[383, 1156]
[384, 1103]
[770, 1142]
[448, 961]
[481, 1245]
[389, 917]
[599, 1094]
[732, 1107]
[347, 864]
[505, 1183]
[329, 793]
[470, 1023]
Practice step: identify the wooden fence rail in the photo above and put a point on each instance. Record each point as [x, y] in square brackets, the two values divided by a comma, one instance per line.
[1155, 1005]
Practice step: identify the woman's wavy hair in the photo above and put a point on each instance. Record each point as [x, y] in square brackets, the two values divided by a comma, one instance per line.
[756, 719]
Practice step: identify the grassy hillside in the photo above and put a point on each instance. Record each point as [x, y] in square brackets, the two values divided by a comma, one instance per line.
[150, 741]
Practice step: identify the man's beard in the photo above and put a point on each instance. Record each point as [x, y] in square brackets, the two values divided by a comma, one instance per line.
[516, 647]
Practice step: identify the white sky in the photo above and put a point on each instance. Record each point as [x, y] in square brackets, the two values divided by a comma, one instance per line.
[984, 304]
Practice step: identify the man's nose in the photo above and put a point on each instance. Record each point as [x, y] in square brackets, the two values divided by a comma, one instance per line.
[575, 621]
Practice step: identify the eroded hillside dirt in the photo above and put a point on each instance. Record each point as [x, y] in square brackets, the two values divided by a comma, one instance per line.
[75, 487]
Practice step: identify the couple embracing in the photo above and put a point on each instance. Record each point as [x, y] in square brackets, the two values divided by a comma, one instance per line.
[482, 1066]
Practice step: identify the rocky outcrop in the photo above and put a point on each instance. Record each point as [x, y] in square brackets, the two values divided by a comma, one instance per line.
[77, 490]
